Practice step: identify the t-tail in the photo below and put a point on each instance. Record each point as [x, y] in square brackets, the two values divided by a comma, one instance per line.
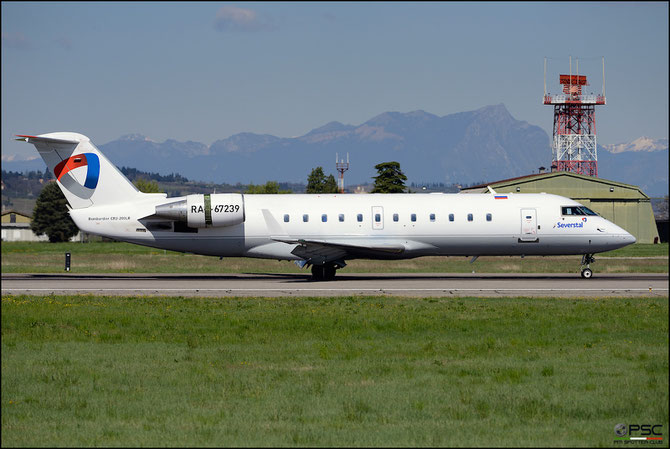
[86, 177]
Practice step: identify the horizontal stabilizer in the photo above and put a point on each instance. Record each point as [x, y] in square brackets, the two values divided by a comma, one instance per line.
[39, 139]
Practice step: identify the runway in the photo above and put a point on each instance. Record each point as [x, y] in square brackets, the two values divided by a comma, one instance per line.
[400, 284]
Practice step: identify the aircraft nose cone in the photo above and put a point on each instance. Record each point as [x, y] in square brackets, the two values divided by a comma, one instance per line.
[628, 238]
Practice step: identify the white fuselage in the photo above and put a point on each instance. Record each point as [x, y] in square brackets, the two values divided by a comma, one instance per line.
[511, 224]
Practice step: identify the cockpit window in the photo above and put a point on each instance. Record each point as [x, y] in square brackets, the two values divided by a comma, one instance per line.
[577, 210]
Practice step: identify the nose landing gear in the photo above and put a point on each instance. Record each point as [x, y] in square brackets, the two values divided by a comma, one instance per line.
[587, 259]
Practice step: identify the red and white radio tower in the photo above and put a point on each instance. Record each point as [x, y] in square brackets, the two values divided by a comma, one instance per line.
[574, 146]
[341, 167]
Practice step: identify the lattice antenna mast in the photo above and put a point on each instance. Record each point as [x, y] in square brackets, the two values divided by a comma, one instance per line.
[574, 145]
[341, 167]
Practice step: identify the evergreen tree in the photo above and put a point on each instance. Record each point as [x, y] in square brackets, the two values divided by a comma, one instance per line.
[270, 187]
[330, 185]
[147, 186]
[51, 217]
[390, 179]
[317, 182]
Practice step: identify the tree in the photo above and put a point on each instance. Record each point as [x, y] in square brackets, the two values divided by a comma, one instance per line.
[51, 217]
[48, 176]
[147, 186]
[270, 187]
[317, 182]
[390, 179]
[330, 186]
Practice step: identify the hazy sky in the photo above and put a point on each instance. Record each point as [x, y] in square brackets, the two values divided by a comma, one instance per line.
[205, 71]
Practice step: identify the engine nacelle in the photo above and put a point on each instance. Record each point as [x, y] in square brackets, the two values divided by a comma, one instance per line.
[206, 211]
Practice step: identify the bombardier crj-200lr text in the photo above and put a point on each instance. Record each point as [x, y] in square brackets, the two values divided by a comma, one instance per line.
[320, 230]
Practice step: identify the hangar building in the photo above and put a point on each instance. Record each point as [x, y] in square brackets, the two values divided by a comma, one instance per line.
[623, 204]
[16, 228]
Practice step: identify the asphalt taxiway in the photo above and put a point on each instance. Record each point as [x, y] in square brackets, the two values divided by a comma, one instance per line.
[401, 284]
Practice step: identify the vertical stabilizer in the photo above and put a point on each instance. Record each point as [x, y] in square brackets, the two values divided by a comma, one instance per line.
[84, 174]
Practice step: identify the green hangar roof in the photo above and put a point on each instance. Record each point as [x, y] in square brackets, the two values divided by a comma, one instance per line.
[567, 184]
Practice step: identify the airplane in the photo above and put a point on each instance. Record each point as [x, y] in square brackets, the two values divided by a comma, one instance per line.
[321, 230]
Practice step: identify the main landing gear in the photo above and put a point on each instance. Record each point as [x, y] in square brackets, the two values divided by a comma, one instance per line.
[587, 259]
[324, 272]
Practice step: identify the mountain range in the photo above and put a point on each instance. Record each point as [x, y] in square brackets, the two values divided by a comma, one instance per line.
[639, 144]
[487, 144]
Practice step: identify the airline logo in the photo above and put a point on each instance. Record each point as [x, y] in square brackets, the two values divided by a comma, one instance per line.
[578, 224]
[89, 160]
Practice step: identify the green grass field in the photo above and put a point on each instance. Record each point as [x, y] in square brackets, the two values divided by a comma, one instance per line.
[356, 371]
[115, 257]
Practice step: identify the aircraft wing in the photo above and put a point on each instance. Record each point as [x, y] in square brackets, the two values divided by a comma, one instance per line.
[324, 251]
[320, 251]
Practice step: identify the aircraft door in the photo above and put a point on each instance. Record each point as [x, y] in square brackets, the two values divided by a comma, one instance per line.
[377, 217]
[529, 225]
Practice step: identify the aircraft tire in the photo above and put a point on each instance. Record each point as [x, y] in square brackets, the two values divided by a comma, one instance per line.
[317, 273]
[323, 272]
[587, 273]
[329, 272]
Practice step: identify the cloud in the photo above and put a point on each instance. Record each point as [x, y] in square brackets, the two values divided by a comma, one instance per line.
[15, 40]
[17, 158]
[232, 18]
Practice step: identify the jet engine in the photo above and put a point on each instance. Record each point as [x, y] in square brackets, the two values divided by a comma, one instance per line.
[205, 211]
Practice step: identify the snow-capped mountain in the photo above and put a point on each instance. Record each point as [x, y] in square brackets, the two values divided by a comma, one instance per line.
[639, 144]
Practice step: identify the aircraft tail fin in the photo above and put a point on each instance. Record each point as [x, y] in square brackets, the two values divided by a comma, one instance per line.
[84, 174]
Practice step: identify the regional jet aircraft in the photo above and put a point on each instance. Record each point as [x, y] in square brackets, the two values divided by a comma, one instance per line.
[325, 230]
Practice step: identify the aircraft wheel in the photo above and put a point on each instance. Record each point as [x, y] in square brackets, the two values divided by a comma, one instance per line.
[323, 272]
[329, 272]
[587, 273]
[317, 272]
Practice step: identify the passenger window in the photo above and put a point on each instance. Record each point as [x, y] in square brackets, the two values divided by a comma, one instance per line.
[341, 217]
[451, 217]
[432, 217]
[305, 218]
[324, 218]
[413, 217]
[359, 217]
[395, 217]
[489, 217]
[378, 218]
[286, 218]
[469, 217]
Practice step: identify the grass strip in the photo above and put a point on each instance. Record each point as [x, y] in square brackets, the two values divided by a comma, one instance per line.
[352, 371]
[116, 257]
